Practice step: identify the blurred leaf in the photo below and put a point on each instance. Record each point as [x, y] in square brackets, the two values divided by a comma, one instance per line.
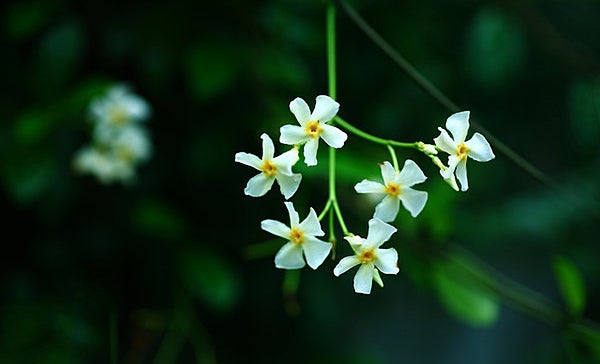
[210, 278]
[156, 218]
[59, 55]
[495, 47]
[584, 105]
[211, 69]
[28, 176]
[463, 297]
[570, 284]
[31, 127]
[23, 19]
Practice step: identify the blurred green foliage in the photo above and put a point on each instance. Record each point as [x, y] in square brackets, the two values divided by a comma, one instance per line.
[161, 272]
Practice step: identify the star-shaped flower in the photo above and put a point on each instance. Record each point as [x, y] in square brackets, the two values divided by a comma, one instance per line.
[271, 169]
[301, 238]
[313, 127]
[371, 258]
[476, 148]
[396, 188]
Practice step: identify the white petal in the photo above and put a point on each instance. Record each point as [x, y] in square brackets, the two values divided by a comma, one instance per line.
[444, 142]
[294, 217]
[461, 175]
[259, 185]
[410, 174]
[311, 225]
[310, 152]
[301, 111]
[285, 161]
[267, 147]
[289, 257]
[288, 184]
[366, 186]
[276, 228]
[379, 232]
[479, 148]
[355, 240]
[387, 209]
[249, 160]
[413, 200]
[333, 136]
[458, 124]
[388, 172]
[363, 280]
[315, 251]
[453, 161]
[292, 134]
[344, 264]
[387, 261]
[325, 109]
[377, 277]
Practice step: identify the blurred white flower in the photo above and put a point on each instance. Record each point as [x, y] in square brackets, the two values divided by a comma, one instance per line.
[301, 238]
[119, 142]
[476, 148]
[313, 127]
[120, 106]
[103, 164]
[371, 258]
[396, 188]
[271, 169]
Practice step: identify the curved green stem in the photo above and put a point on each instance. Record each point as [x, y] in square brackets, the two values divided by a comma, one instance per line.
[356, 131]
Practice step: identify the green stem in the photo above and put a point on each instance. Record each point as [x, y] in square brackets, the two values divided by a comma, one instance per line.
[356, 131]
[331, 72]
[331, 67]
[394, 158]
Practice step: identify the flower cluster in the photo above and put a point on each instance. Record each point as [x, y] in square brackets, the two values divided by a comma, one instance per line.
[119, 139]
[302, 243]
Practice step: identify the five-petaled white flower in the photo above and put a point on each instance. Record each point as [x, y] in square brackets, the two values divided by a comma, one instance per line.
[301, 238]
[271, 169]
[371, 258]
[477, 147]
[313, 126]
[396, 188]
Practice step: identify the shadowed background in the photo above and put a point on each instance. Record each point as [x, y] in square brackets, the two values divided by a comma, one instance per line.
[164, 271]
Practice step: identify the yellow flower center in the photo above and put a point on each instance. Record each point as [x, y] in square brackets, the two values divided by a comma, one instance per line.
[296, 236]
[367, 256]
[393, 189]
[269, 168]
[118, 116]
[313, 128]
[462, 151]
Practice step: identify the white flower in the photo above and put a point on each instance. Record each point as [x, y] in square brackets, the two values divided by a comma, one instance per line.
[395, 189]
[104, 164]
[313, 126]
[271, 169]
[132, 144]
[301, 238]
[370, 256]
[476, 148]
[119, 107]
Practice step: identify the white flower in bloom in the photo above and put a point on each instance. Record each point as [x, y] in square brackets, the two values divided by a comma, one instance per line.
[301, 239]
[313, 126]
[476, 148]
[132, 144]
[371, 258]
[119, 107]
[396, 188]
[271, 169]
[103, 164]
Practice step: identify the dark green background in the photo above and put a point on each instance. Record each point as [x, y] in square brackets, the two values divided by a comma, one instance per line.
[159, 272]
